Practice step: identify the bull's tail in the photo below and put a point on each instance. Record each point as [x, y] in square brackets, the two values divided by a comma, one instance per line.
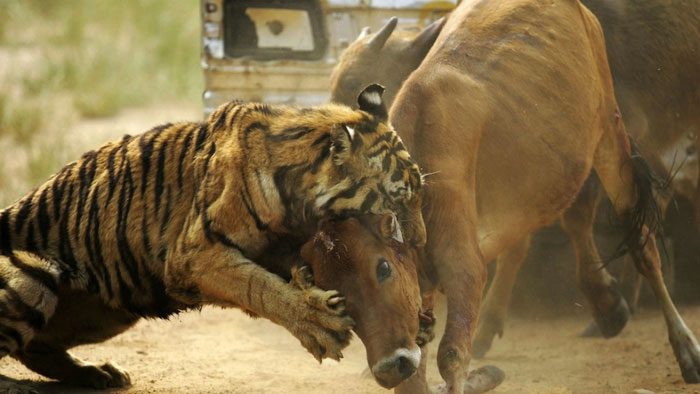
[649, 187]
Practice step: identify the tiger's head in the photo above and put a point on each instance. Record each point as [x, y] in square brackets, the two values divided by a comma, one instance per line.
[375, 172]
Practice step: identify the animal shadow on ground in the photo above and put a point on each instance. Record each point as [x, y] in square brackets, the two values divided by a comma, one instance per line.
[26, 386]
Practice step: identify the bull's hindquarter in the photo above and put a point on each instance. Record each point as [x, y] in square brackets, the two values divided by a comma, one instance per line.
[507, 114]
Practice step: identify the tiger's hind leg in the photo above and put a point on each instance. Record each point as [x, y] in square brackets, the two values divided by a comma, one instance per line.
[80, 318]
[28, 298]
[56, 363]
[40, 318]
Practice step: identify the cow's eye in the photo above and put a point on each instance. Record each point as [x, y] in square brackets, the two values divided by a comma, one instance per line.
[383, 270]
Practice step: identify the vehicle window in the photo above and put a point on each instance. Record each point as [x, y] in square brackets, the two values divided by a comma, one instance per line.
[270, 32]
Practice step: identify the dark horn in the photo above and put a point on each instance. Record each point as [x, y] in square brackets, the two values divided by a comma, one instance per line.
[377, 42]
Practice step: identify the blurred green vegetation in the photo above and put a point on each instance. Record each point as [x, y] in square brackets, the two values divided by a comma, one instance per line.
[107, 54]
[63, 60]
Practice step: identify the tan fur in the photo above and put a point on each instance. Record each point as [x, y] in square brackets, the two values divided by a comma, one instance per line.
[511, 108]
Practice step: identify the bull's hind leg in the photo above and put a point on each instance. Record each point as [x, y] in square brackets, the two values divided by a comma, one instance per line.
[610, 309]
[495, 308]
[627, 181]
[57, 363]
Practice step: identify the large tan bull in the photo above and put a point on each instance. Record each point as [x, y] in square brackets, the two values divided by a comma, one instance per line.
[512, 108]
[653, 48]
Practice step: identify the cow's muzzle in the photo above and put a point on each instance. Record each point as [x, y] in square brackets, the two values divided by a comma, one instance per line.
[394, 369]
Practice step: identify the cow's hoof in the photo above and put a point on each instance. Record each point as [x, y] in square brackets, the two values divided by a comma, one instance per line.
[591, 331]
[489, 327]
[612, 321]
[687, 351]
[484, 379]
[479, 381]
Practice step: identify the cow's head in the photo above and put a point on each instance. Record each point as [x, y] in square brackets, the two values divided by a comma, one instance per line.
[364, 259]
[386, 58]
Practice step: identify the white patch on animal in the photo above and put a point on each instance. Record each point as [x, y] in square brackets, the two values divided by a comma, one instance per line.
[351, 132]
[395, 187]
[269, 191]
[397, 235]
[411, 355]
[373, 98]
[376, 163]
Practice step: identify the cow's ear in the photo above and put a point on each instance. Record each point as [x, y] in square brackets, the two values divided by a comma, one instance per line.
[370, 100]
[424, 41]
[341, 143]
[389, 228]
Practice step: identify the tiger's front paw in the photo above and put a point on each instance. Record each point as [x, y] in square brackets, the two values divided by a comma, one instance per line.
[302, 277]
[333, 326]
[323, 327]
[329, 301]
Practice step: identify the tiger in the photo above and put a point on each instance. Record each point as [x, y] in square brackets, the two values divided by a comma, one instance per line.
[176, 218]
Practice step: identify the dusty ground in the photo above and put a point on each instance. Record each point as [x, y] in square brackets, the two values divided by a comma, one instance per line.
[216, 351]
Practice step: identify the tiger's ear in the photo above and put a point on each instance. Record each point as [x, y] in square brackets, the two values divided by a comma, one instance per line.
[341, 143]
[370, 100]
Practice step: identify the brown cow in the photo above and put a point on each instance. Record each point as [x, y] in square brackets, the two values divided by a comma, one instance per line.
[377, 276]
[654, 51]
[511, 108]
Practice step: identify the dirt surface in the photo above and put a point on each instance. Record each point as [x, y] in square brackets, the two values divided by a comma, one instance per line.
[218, 351]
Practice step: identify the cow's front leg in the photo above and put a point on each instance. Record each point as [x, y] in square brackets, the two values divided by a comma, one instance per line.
[454, 251]
[221, 275]
[418, 383]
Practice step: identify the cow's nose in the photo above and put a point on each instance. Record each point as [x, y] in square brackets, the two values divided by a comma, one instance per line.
[406, 367]
[392, 370]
